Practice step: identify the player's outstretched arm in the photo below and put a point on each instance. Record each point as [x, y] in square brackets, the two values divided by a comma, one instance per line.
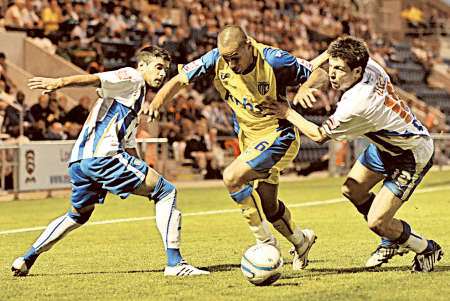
[51, 84]
[320, 60]
[166, 93]
[283, 111]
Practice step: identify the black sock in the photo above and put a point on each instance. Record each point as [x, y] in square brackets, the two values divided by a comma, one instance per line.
[365, 207]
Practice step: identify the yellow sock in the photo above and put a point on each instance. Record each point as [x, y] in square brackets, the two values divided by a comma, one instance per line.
[249, 203]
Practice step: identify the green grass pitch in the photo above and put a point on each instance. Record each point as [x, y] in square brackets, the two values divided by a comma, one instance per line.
[124, 260]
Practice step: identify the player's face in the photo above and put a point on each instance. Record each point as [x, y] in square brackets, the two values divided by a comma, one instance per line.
[239, 58]
[340, 75]
[155, 72]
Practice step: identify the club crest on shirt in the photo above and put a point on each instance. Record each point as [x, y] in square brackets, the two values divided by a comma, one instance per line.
[263, 88]
[122, 74]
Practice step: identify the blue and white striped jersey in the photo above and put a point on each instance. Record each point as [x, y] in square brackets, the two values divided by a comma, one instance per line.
[112, 123]
[373, 109]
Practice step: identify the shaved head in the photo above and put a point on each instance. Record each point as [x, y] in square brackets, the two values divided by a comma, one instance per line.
[236, 48]
[231, 37]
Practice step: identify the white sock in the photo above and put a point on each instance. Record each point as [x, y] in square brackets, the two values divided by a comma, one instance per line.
[415, 243]
[168, 221]
[55, 231]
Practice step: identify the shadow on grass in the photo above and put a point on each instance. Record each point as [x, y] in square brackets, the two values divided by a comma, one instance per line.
[308, 273]
[288, 284]
[96, 273]
[314, 273]
[211, 268]
[222, 267]
[327, 271]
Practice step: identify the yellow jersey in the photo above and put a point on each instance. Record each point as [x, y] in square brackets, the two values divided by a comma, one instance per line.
[274, 71]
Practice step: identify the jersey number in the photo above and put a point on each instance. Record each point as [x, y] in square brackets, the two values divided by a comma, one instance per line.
[262, 146]
[393, 102]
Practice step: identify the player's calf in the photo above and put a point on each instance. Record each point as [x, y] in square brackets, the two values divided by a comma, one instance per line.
[247, 200]
[282, 221]
[168, 219]
[302, 240]
[168, 222]
[380, 226]
[54, 232]
[387, 249]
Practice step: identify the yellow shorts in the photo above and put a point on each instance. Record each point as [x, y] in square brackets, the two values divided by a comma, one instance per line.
[272, 153]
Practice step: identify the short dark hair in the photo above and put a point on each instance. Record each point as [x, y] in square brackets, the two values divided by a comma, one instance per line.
[147, 53]
[350, 49]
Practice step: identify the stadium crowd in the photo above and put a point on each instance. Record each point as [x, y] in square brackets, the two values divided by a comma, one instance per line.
[102, 35]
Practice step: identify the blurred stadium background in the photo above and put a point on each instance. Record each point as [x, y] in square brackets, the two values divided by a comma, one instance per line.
[194, 139]
[410, 38]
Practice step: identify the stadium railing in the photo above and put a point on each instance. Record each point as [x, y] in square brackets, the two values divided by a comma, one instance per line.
[42, 165]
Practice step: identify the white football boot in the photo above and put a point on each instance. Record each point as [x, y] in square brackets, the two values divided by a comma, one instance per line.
[184, 269]
[19, 267]
[383, 254]
[300, 253]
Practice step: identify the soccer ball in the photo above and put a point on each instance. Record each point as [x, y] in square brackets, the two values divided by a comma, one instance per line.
[261, 264]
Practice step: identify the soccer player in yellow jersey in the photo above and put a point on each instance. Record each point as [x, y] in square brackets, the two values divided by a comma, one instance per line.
[247, 75]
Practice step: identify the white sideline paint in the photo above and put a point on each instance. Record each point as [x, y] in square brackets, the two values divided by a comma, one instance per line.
[211, 212]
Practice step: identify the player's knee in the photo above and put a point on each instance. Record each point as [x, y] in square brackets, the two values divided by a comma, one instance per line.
[242, 194]
[351, 190]
[163, 188]
[231, 179]
[81, 215]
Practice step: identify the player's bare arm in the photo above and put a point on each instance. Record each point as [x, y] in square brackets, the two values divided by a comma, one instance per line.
[166, 93]
[51, 84]
[305, 94]
[320, 60]
[283, 111]
[317, 80]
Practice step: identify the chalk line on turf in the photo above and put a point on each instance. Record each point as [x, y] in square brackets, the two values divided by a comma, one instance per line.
[211, 212]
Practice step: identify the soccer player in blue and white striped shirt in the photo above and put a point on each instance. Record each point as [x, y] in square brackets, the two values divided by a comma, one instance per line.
[104, 158]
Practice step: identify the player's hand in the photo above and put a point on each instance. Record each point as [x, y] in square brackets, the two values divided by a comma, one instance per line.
[44, 83]
[152, 111]
[277, 109]
[305, 97]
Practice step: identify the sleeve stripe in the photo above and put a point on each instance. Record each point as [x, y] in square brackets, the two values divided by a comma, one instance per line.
[305, 64]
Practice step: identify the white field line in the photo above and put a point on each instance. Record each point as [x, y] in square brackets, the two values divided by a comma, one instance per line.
[211, 212]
